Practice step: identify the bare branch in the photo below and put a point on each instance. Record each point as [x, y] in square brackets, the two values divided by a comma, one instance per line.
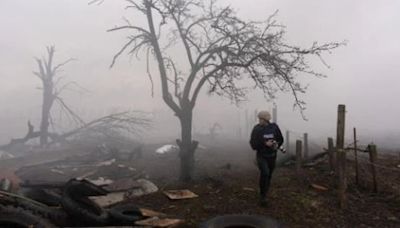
[148, 71]
[69, 111]
[54, 70]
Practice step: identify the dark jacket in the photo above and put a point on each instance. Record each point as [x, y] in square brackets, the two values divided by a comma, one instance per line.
[260, 134]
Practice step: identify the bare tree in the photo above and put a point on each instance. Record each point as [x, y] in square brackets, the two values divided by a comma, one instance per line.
[221, 50]
[48, 74]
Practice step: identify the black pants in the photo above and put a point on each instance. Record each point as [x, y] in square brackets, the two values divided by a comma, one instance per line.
[266, 165]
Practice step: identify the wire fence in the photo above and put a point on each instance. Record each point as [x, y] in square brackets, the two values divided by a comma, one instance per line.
[379, 172]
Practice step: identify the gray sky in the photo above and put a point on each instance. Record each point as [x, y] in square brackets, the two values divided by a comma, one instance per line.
[363, 74]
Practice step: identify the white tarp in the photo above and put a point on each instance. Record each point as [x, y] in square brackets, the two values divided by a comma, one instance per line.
[167, 149]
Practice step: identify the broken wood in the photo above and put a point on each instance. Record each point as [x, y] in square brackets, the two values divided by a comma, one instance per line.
[150, 213]
[180, 194]
[130, 122]
[319, 187]
[109, 199]
[157, 222]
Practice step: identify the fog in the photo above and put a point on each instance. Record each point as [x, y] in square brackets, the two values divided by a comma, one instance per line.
[363, 74]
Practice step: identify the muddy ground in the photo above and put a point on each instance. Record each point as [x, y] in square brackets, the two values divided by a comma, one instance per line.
[226, 182]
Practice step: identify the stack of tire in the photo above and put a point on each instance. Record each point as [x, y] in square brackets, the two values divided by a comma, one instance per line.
[76, 203]
[76, 208]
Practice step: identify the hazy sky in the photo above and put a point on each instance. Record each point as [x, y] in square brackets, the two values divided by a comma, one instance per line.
[363, 75]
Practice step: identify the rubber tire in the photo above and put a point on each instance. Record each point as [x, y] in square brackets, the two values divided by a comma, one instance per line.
[243, 221]
[126, 214]
[43, 196]
[84, 188]
[13, 217]
[85, 211]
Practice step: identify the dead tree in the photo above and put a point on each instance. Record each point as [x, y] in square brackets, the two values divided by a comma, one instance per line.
[51, 91]
[220, 50]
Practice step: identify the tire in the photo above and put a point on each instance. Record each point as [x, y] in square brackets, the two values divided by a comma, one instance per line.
[84, 188]
[243, 221]
[13, 217]
[126, 214]
[76, 203]
[44, 196]
[85, 211]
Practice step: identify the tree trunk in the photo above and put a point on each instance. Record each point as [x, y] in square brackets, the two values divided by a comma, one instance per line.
[46, 106]
[187, 147]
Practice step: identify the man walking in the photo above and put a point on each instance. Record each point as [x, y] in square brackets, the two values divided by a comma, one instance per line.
[266, 138]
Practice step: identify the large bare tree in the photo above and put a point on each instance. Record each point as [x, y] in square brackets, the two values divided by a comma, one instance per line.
[220, 50]
[48, 74]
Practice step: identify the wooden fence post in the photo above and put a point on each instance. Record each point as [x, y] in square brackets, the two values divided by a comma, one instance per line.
[355, 155]
[275, 113]
[287, 141]
[373, 156]
[298, 156]
[340, 127]
[331, 153]
[341, 161]
[341, 156]
[305, 145]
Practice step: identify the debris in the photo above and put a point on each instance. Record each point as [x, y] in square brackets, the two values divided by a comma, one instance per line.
[151, 213]
[398, 166]
[4, 155]
[315, 204]
[392, 218]
[319, 187]
[249, 189]
[101, 181]
[157, 222]
[144, 187]
[12, 177]
[5, 184]
[85, 175]
[106, 163]
[109, 199]
[57, 171]
[180, 194]
[166, 149]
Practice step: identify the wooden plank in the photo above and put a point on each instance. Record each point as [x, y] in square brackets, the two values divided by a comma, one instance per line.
[180, 194]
